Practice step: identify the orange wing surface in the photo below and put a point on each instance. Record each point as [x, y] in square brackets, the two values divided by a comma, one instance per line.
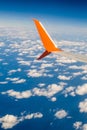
[45, 38]
[50, 46]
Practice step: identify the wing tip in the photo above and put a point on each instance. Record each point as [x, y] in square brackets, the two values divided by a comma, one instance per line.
[35, 20]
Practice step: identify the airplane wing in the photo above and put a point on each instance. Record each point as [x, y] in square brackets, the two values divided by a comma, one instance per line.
[50, 46]
[77, 57]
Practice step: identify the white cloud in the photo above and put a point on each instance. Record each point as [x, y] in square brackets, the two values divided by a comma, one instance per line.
[83, 106]
[77, 125]
[62, 84]
[19, 59]
[2, 44]
[41, 84]
[53, 99]
[81, 90]
[37, 115]
[84, 77]
[73, 91]
[72, 94]
[12, 79]
[34, 115]
[9, 121]
[83, 67]
[13, 71]
[61, 114]
[77, 74]
[74, 67]
[38, 73]
[35, 73]
[45, 65]
[80, 126]
[16, 80]
[18, 95]
[84, 127]
[20, 81]
[5, 63]
[22, 62]
[48, 92]
[4, 82]
[63, 77]
[69, 91]
[1, 60]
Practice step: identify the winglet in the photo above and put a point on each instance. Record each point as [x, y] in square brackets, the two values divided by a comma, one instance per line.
[48, 43]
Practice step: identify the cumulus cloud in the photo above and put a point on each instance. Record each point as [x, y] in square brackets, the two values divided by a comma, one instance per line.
[41, 84]
[35, 73]
[2, 44]
[34, 115]
[77, 125]
[22, 62]
[69, 91]
[12, 79]
[84, 127]
[75, 74]
[18, 95]
[23, 48]
[81, 90]
[4, 82]
[83, 106]
[1, 59]
[45, 65]
[19, 81]
[14, 71]
[73, 91]
[84, 77]
[9, 121]
[53, 99]
[74, 67]
[61, 114]
[48, 92]
[81, 67]
[38, 72]
[16, 80]
[80, 126]
[63, 77]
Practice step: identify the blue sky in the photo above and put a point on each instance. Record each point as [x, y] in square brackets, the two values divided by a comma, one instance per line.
[21, 10]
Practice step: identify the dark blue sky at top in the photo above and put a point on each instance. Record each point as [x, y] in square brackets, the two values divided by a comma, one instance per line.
[66, 9]
[63, 8]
